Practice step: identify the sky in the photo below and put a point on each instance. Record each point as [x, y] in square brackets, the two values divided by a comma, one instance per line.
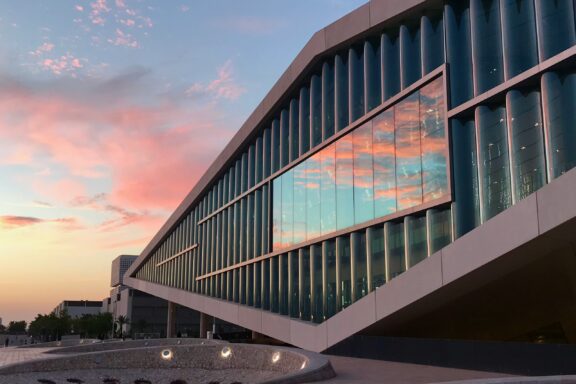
[110, 111]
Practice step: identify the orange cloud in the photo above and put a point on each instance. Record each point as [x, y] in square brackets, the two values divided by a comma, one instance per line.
[12, 222]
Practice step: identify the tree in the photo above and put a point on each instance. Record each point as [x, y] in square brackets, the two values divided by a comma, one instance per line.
[2, 329]
[15, 327]
[121, 320]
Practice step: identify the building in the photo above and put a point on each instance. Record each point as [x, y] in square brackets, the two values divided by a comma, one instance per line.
[147, 315]
[409, 175]
[78, 308]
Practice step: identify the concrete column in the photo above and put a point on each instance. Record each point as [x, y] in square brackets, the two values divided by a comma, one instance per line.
[205, 324]
[171, 320]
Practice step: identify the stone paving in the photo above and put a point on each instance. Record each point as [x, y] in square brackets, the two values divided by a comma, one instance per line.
[13, 355]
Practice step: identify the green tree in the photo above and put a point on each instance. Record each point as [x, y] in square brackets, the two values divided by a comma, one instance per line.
[121, 321]
[15, 327]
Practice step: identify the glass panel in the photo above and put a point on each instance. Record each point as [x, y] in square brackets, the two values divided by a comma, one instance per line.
[242, 285]
[343, 262]
[299, 203]
[317, 283]
[487, 44]
[257, 285]
[265, 287]
[458, 50]
[555, 26]
[257, 237]
[519, 36]
[408, 162]
[465, 168]
[244, 173]
[359, 265]
[439, 228]
[258, 165]
[493, 158]
[287, 208]
[363, 174]
[327, 100]
[378, 259]
[275, 145]
[390, 47]
[251, 169]
[265, 220]
[395, 257]
[304, 120]
[372, 73]
[315, 110]
[328, 189]
[341, 91]
[249, 283]
[559, 100]
[304, 276]
[528, 162]
[432, 27]
[277, 213]
[250, 227]
[274, 288]
[344, 182]
[329, 252]
[294, 130]
[355, 83]
[434, 143]
[313, 196]
[410, 67]
[284, 138]
[384, 164]
[417, 241]
[294, 280]
[283, 284]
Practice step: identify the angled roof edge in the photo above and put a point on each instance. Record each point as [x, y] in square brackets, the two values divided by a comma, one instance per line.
[360, 21]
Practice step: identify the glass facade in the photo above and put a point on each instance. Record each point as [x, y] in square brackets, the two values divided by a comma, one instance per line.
[302, 223]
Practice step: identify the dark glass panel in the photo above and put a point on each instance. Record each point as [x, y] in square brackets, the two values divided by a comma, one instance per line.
[408, 162]
[304, 120]
[327, 100]
[265, 287]
[275, 145]
[372, 73]
[363, 173]
[249, 283]
[250, 212]
[410, 64]
[329, 254]
[244, 175]
[527, 136]
[257, 285]
[287, 208]
[294, 284]
[257, 222]
[390, 47]
[251, 170]
[300, 203]
[395, 256]
[384, 164]
[284, 138]
[283, 284]
[555, 19]
[495, 190]
[315, 110]
[236, 283]
[243, 228]
[458, 50]
[359, 265]
[294, 130]
[328, 190]
[355, 83]
[277, 213]
[434, 143]
[266, 225]
[519, 36]
[465, 168]
[432, 27]
[378, 262]
[439, 228]
[343, 262]
[258, 165]
[417, 240]
[274, 286]
[341, 91]
[313, 180]
[304, 282]
[559, 101]
[344, 182]
[486, 44]
[232, 183]
[317, 283]
[266, 154]
[238, 179]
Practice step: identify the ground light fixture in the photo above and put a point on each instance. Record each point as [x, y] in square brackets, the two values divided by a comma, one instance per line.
[226, 352]
[275, 357]
[166, 354]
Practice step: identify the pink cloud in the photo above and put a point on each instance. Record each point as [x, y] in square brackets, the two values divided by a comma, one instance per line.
[13, 222]
[123, 39]
[224, 86]
[44, 48]
[65, 64]
[79, 8]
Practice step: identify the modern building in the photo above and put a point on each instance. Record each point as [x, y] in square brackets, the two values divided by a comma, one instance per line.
[409, 175]
[78, 308]
[147, 315]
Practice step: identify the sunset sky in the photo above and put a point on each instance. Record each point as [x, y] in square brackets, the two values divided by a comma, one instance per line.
[110, 110]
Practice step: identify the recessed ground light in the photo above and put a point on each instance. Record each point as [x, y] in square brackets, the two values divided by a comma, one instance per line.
[275, 357]
[166, 354]
[303, 365]
[226, 352]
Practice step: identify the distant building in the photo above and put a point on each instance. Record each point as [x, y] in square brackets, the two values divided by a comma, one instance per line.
[119, 266]
[78, 308]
